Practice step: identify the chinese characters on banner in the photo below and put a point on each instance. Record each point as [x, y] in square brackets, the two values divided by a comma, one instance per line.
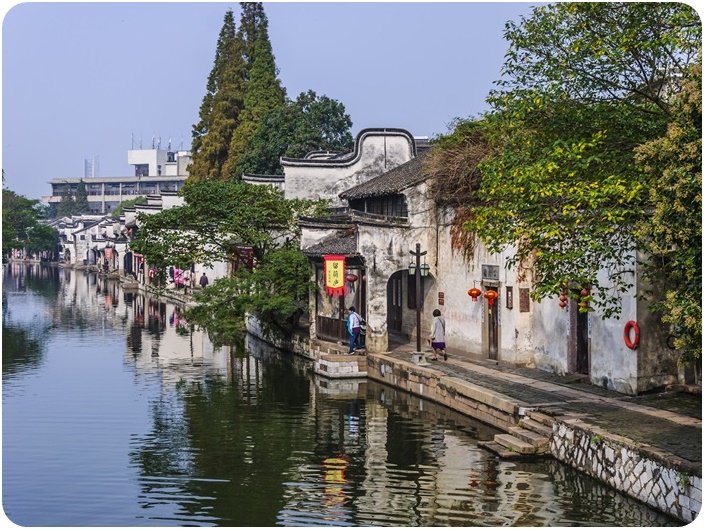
[334, 272]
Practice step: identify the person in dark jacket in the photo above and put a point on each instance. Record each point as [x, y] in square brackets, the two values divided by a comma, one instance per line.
[203, 280]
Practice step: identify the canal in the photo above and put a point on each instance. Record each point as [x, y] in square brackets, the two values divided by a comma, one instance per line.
[115, 413]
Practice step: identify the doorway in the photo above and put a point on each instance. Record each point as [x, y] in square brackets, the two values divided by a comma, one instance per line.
[578, 346]
[491, 327]
[394, 302]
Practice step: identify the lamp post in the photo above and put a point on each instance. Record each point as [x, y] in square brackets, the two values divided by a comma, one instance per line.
[417, 270]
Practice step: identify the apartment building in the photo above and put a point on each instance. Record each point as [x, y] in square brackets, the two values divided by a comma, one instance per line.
[155, 171]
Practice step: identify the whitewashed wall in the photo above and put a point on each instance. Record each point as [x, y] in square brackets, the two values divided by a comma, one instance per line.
[376, 151]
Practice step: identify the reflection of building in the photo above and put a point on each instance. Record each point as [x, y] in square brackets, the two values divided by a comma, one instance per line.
[155, 171]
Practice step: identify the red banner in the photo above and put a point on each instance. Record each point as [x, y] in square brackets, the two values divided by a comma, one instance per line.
[334, 274]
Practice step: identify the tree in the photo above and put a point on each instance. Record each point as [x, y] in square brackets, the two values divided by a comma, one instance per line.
[263, 94]
[223, 103]
[81, 202]
[584, 84]
[673, 233]
[221, 106]
[21, 228]
[119, 210]
[67, 205]
[276, 291]
[308, 124]
[206, 231]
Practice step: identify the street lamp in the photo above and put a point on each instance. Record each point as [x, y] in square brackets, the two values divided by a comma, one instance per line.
[417, 270]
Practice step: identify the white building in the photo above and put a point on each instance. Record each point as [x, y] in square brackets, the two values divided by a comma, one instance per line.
[389, 212]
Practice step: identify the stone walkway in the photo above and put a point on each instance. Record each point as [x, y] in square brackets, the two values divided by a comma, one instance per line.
[670, 422]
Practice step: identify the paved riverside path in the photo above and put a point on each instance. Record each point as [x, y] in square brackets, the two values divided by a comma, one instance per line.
[668, 421]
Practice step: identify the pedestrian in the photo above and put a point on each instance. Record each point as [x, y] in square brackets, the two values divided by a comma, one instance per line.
[437, 336]
[354, 323]
[203, 281]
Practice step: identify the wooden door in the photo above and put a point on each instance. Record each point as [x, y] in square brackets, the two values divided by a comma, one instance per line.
[395, 302]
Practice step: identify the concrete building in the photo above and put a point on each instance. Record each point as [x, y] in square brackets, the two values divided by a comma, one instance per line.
[156, 171]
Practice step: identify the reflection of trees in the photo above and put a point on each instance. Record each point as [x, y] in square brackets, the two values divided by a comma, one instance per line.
[22, 341]
[19, 349]
[242, 433]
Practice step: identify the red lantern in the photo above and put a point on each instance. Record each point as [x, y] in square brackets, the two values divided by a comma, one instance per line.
[585, 292]
[491, 295]
[563, 303]
[351, 278]
[474, 293]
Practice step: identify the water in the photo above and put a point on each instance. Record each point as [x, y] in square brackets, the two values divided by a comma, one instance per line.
[114, 413]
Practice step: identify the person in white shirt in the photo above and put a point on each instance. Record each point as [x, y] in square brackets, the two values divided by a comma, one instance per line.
[437, 335]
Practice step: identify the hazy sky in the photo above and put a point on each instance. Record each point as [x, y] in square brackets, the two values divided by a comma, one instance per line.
[94, 79]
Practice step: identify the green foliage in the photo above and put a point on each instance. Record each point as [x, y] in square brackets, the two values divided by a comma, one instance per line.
[67, 206]
[584, 84]
[81, 201]
[308, 124]
[221, 106]
[276, 291]
[603, 51]
[220, 219]
[21, 227]
[673, 233]
[127, 204]
[263, 94]
[596, 439]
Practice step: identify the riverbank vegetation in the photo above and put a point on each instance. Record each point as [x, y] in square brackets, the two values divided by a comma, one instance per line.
[590, 154]
[22, 227]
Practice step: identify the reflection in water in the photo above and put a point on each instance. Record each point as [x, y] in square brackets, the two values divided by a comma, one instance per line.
[117, 413]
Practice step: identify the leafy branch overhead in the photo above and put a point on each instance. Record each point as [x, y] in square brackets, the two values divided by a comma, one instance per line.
[551, 170]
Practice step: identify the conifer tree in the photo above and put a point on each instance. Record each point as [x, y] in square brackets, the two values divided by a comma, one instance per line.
[221, 106]
[251, 18]
[81, 204]
[67, 206]
[263, 94]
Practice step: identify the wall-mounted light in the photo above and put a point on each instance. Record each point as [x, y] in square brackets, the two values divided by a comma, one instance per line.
[412, 268]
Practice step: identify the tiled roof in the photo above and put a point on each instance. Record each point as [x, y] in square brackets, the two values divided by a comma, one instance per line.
[340, 243]
[392, 181]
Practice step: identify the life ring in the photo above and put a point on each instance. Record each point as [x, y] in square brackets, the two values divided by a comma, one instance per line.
[627, 334]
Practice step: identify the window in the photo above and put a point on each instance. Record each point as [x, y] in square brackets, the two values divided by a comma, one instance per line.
[388, 205]
[141, 169]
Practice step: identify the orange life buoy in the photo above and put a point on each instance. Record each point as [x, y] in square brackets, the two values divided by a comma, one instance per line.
[627, 334]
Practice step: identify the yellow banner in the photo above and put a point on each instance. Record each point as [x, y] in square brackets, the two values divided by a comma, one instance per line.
[334, 271]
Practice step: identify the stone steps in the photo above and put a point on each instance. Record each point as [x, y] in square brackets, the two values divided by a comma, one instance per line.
[535, 426]
[499, 450]
[514, 444]
[530, 438]
[538, 441]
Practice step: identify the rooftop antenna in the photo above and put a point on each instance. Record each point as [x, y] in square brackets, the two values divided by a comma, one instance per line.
[169, 144]
[153, 138]
[180, 148]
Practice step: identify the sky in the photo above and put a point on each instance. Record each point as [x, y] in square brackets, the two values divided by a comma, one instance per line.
[93, 80]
